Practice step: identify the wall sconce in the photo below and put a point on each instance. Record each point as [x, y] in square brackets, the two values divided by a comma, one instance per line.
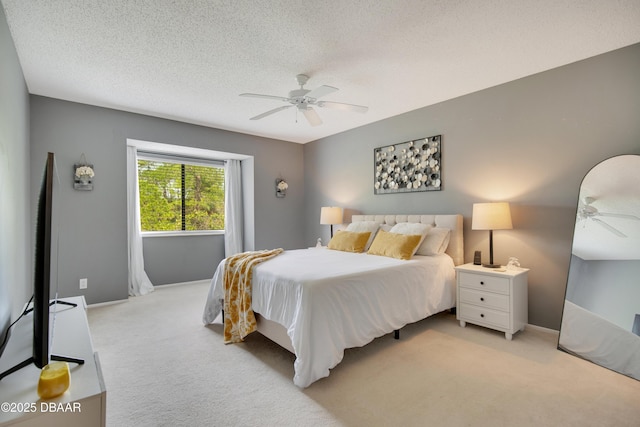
[281, 187]
[83, 175]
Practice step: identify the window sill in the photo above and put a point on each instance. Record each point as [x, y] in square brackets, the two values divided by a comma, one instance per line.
[182, 233]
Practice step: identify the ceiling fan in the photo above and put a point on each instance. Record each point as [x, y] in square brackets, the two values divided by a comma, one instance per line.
[586, 211]
[303, 99]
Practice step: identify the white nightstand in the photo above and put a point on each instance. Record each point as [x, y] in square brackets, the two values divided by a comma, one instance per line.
[493, 299]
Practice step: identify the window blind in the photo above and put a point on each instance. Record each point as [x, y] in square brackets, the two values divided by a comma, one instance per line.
[180, 194]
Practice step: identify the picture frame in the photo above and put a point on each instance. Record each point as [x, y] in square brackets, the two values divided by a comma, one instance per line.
[409, 166]
[83, 182]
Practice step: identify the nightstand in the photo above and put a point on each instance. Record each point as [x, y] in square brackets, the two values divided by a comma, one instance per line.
[493, 299]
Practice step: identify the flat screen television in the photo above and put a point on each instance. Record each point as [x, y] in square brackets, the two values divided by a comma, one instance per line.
[42, 277]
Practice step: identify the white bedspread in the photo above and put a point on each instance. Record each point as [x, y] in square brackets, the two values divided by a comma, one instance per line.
[331, 300]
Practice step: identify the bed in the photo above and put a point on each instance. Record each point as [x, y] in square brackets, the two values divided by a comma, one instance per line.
[317, 302]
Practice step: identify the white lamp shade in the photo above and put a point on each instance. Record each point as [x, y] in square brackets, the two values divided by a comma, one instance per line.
[491, 216]
[331, 215]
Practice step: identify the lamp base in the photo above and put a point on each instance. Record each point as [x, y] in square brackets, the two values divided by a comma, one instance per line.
[491, 265]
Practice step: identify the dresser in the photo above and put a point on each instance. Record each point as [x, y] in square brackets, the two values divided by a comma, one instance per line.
[493, 299]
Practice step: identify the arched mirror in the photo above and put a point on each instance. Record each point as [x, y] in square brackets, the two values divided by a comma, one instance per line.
[601, 315]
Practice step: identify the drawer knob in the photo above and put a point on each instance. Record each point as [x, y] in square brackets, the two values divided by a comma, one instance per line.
[481, 315]
[481, 282]
[481, 298]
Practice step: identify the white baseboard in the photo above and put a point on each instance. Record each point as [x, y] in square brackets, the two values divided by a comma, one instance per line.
[542, 329]
[101, 304]
[195, 282]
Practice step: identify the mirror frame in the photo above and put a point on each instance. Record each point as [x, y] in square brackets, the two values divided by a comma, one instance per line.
[599, 348]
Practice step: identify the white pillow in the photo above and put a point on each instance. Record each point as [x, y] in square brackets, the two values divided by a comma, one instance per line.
[412, 228]
[436, 242]
[363, 226]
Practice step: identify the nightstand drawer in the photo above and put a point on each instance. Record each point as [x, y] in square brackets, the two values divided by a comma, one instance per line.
[482, 315]
[484, 299]
[488, 283]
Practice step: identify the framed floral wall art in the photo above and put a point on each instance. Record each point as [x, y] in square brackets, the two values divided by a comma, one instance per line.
[83, 176]
[408, 166]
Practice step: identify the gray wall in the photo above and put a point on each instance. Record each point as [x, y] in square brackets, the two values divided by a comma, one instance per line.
[92, 230]
[181, 259]
[15, 228]
[529, 142]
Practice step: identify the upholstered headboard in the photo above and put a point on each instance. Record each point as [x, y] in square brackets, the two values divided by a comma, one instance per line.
[452, 222]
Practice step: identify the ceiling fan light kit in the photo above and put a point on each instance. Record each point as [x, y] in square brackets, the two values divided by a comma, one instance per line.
[303, 99]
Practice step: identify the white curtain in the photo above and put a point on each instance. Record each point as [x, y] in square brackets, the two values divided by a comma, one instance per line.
[233, 215]
[139, 283]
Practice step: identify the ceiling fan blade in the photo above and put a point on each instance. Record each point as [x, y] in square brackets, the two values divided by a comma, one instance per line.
[616, 215]
[610, 228]
[343, 106]
[321, 91]
[270, 112]
[257, 95]
[312, 116]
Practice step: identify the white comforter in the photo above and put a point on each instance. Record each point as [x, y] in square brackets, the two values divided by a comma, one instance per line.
[331, 300]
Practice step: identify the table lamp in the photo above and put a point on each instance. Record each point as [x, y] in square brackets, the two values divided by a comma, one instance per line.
[491, 216]
[330, 216]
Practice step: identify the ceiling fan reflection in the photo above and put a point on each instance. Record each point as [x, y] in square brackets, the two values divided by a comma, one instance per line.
[586, 211]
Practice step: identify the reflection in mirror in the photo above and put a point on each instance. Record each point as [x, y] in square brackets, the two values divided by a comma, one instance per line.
[600, 320]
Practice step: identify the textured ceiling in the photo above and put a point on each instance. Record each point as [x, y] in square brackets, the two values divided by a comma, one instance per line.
[189, 60]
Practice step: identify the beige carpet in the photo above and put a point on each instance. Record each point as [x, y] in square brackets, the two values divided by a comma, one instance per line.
[162, 367]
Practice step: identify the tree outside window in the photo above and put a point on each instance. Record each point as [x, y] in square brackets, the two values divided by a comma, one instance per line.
[180, 196]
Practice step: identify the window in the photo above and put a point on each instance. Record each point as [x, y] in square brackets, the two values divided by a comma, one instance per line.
[180, 194]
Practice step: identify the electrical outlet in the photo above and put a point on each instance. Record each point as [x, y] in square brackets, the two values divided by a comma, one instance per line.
[83, 283]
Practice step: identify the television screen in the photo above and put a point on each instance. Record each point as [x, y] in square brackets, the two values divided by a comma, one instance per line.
[42, 273]
[42, 277]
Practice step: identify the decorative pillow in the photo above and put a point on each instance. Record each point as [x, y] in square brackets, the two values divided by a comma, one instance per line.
[412, 228]
[349, 241]
[395, 245]
[362, 226]
[436, 242]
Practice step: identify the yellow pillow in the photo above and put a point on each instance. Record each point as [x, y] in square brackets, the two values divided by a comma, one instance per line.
[349, 241]
[395, 245]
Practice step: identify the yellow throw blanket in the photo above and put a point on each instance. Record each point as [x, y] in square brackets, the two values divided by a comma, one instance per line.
[239, 320]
